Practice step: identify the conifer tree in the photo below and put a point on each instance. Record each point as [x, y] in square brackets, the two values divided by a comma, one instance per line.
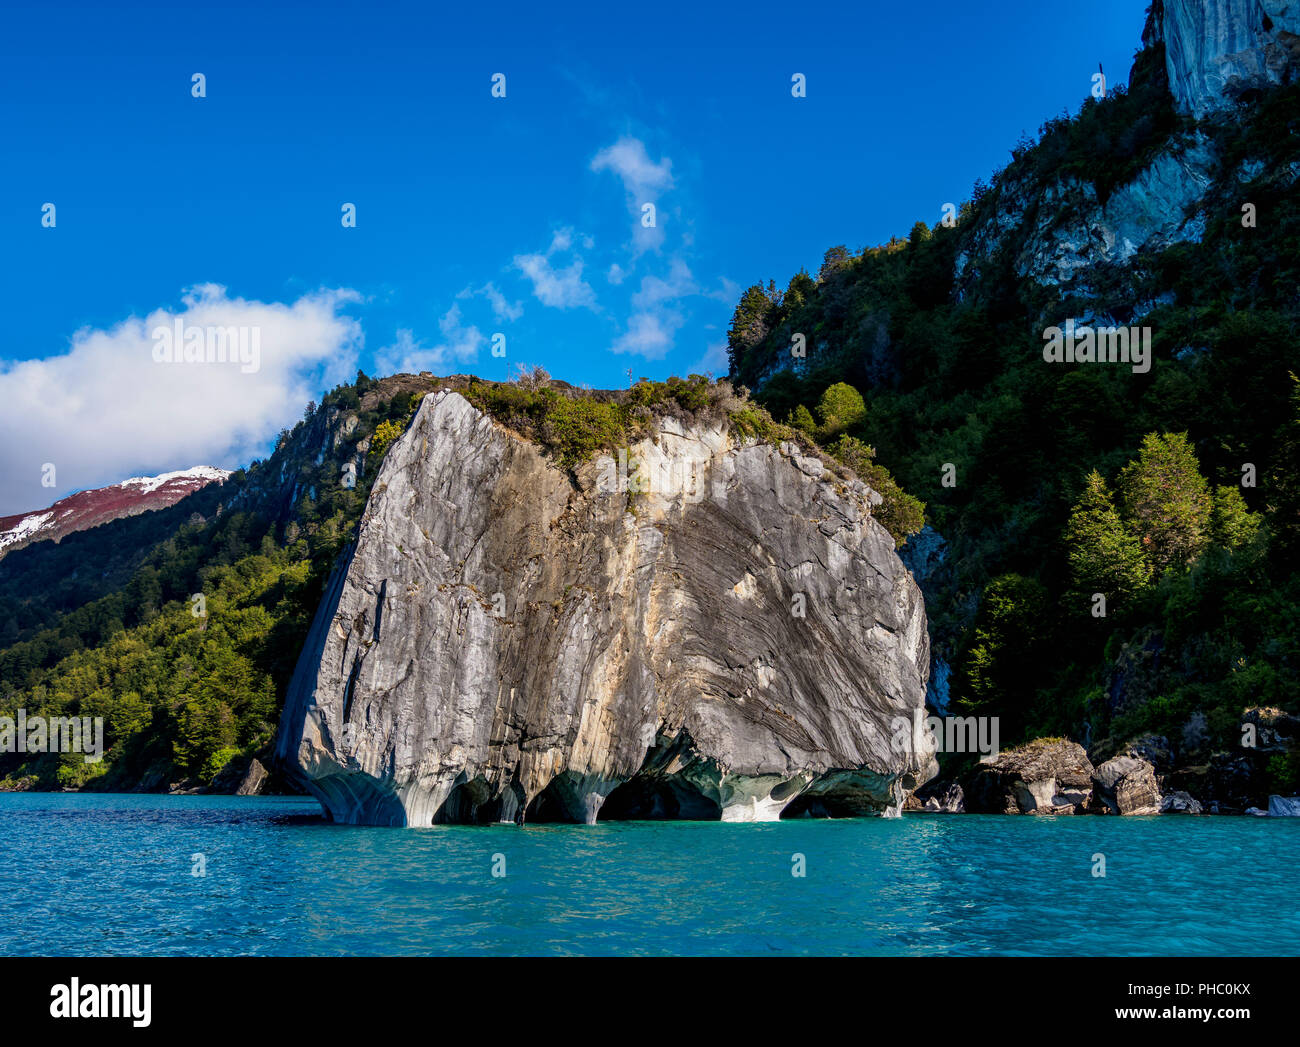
[1104, 556]
[1232, 524]
[1166, 502]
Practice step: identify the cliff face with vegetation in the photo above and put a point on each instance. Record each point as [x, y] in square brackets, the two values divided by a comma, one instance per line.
[724, 633]
[1019, 492]
[181, 626]
[1172, 494]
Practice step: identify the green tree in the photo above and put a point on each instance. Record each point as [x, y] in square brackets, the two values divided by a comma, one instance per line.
[840, 408]
[835, 259]
[748, 324]
[801, 418]
[1232, 525]
[802, 289]
[1104, 556]
[899, 513]
[385, 434]
[203, 726]
[1166, 501]
[1002, 668]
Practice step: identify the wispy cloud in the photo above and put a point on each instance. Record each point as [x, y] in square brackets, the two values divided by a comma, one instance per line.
[644, 182]
[559, 288]
[658, 314]
[679, 283]
[642, 177]
[649, 334]
[460, 344]
[502, 308]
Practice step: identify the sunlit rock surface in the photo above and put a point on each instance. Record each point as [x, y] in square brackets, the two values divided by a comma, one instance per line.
[507, 644]
[1048, 776]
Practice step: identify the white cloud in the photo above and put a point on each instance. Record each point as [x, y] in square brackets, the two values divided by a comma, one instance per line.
[643, 183]
[654, 290]
[460, 344]
[560, 288]
[642, 178]
[649, 334]
[616, 274]
[106, 409]
[655, 320]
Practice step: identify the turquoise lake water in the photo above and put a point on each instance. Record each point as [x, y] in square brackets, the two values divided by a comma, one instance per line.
[113, 875]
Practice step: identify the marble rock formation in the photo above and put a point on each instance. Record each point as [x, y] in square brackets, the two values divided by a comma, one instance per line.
[1217, 52]
[1048, 776]
[508, 641]
[1126, 785]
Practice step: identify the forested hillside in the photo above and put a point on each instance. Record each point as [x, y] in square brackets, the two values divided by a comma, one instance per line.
[1172, 493]
[180, 628]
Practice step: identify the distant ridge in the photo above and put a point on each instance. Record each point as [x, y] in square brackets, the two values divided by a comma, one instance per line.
[87, 509]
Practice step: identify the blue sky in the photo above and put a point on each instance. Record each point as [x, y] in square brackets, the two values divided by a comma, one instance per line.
[475, 215]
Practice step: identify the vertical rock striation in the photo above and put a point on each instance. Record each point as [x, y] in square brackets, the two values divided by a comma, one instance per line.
[1218, 52]
[507, 642]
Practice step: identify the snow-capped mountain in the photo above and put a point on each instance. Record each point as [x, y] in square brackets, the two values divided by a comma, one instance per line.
[86, 509]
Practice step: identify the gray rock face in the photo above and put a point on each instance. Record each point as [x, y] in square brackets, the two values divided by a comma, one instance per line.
[1070, 231]
[1179, 802]
[1284, 806]
[1216, 51]
[1126, 785]
[505, 642]
[1043, 777]
[947, 801]
[253, 780]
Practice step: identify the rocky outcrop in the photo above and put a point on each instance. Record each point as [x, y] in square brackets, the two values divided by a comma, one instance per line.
[1219, 52]
[1274, 729]
[1126, 785]
[253, 781]
[1179, 802]
[1048, 776]
[243, 776]
[1066, 233]
[1284, 806]
[734, 639]
[948, 800]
